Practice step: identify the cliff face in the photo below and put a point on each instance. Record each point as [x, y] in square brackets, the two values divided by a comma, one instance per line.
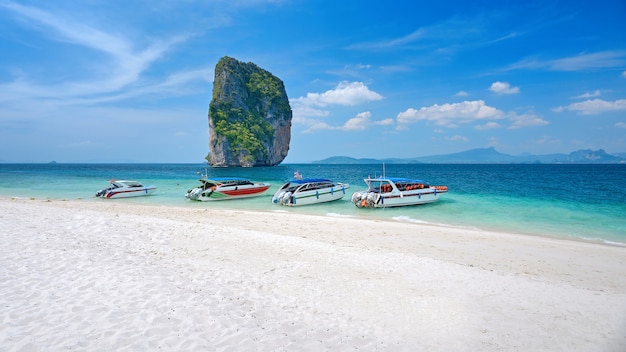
[249, 116]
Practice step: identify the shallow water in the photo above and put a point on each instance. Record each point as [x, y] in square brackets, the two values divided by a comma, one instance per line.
[561, 200]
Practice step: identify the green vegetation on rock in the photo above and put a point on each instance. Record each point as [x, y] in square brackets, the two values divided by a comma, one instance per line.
[243, 130]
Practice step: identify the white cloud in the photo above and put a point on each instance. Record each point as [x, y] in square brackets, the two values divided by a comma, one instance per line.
[358, 67]
[315, 125]
[391, 43]
[307, 109]
[488, 126]
[385, 122]
[446, 36]
[358, 123]
[594, 106]
[461, 93]
[301, 114]
[503, 88]
[124, 66]
[449, 115]
[620, 125]
[624, 74]
[526, 120]
[603, 59]
[457, 138]
[588, 95]
[346, 93]
[585, 61]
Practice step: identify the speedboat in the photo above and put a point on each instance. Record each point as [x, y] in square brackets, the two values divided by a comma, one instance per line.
[220, 188]
[125, 189]
[386, 192]
[309, 191]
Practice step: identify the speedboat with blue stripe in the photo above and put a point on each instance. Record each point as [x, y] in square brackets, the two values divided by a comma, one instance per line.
[299, 192]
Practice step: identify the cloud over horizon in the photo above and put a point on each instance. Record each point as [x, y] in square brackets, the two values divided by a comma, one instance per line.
[451, 114]
[594, 106]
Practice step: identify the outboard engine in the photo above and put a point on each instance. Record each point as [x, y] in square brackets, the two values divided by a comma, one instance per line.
[286, 198]
[103, 191]
[365, 199]
[358, 198]
[194, 193]
[372, 197]
[277, 198]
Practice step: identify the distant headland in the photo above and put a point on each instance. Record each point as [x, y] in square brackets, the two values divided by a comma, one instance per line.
[492, 156]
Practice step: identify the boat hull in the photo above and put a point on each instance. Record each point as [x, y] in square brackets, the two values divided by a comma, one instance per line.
[396, 199]
[126, 193]
[225, 193]
[302, 198]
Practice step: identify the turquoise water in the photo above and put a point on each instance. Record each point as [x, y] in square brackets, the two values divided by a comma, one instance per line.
[576, 201]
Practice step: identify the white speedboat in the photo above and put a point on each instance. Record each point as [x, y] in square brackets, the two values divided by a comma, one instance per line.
[309, 191]
[220, 188]
[125, 189]
[386, 192]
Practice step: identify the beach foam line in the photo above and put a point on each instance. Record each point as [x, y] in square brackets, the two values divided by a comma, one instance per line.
[404, 218]
[409, 219]
[121, 276]
[338, 215]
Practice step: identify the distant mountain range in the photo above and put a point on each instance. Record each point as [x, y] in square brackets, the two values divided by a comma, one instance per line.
[492, 156]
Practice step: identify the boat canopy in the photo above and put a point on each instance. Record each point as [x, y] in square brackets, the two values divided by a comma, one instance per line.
[222, 179]
[396, 180]
[226, 180]
[124, 183]
[309, 180]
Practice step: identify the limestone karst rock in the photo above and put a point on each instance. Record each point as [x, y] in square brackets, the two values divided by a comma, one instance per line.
[249, 116]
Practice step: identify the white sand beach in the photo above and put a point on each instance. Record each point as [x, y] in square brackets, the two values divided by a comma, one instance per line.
[113, 276]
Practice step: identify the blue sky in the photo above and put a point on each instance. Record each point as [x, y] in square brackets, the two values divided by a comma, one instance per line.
[131, 81]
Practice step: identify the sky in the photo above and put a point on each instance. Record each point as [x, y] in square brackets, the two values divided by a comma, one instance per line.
[131, 81]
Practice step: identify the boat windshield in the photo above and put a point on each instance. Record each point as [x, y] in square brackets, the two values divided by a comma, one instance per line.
[290, 187]
[312, 186]
[378, 185]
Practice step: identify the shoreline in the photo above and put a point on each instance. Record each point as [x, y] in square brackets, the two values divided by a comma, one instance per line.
[291, 212]
[129, 276]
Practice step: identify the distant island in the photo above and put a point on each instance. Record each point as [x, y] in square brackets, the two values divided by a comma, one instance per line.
[491, 156]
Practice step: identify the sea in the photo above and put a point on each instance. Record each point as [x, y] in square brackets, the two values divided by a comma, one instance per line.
[584, 202]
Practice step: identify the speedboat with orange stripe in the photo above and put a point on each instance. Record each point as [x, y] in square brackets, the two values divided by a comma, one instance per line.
[222, 188]
[384, 192]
